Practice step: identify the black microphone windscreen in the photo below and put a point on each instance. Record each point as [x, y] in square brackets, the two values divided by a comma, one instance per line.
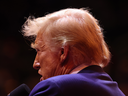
[22, 90]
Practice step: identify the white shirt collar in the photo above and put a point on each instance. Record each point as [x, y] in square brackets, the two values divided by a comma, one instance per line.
[77, 69]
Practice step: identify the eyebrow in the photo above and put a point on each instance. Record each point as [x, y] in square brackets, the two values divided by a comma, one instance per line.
[34, 46]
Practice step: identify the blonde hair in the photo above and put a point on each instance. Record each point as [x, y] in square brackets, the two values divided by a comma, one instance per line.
[76, 27]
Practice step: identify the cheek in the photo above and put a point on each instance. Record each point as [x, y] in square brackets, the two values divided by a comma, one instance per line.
[46, 59]
[51, 61]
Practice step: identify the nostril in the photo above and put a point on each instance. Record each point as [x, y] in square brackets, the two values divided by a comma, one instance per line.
[36, 65]
[37, 68]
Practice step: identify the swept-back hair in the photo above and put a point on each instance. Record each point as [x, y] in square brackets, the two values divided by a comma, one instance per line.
[76, 27]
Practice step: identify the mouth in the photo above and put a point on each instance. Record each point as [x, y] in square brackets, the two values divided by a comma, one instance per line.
[41, 75]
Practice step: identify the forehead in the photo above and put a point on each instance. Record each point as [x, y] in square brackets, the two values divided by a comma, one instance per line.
[39, 37]
[42, 38]
[39, 40]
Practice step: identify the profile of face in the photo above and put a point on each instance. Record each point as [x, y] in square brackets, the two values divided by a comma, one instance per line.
[48, 62]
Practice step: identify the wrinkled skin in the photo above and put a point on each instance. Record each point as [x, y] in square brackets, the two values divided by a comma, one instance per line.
[49, 63]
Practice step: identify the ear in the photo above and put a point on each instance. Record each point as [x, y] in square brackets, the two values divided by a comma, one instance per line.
[64, 53]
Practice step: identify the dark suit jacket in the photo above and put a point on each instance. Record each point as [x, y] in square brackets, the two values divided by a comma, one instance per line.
[91, 81]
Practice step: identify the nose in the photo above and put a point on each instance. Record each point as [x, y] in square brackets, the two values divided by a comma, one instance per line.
[36, 64]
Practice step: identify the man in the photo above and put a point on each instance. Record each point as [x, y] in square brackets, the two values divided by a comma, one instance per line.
[71, 53]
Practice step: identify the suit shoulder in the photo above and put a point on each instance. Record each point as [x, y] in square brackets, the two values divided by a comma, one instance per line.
[67, 78]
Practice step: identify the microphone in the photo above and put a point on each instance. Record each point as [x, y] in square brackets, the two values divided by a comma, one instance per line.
[22, 90]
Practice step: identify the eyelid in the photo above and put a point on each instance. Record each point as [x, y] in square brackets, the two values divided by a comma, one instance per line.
[37, 50]
[42, 46]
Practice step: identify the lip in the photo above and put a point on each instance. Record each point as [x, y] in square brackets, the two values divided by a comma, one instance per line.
[41, 78]
[39, 72]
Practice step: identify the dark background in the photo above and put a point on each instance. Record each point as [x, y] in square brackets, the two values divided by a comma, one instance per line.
[16, 57]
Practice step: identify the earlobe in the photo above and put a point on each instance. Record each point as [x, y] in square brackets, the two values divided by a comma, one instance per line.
[64, 53]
